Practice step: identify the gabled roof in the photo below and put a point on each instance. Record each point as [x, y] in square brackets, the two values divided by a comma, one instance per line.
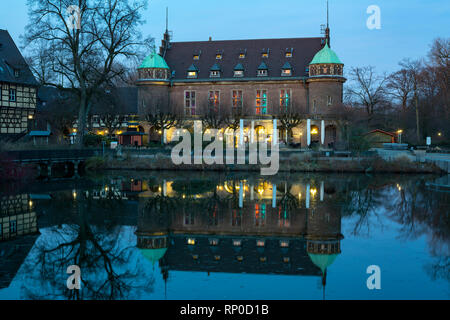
[180, 56]
[192, 68]
[215, 67]
[10, 60]
[239, 67]
[263, 66]
[286, 66]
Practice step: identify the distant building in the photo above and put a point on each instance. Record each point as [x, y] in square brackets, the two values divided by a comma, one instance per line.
[116, 110]
[18, 89]
[378, 138]
[253, 80]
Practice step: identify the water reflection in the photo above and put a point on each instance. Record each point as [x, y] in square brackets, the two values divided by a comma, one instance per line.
[125, 231]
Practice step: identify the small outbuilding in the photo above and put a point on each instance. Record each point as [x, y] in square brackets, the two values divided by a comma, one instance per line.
[378, 138]
[132, 138]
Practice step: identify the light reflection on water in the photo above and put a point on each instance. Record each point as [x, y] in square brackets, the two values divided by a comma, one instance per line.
[213, 236]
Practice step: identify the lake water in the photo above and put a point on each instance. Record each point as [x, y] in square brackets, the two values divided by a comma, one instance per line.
[194, 235]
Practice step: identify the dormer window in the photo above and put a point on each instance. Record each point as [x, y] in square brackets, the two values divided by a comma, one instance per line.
[196, 57]
[215, 71]
[262, 70]
[219, 56]
[242, 56]
[265, 53]
[192, 71]
[286, 70]
[239, 70]
[288, 52]
[215, 74]
[262, 73]
[242, 53]
[16, 73]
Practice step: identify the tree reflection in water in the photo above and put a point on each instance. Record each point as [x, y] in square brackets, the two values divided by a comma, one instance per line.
[87, 234]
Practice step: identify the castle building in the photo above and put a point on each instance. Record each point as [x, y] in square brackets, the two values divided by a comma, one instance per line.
[18, 90]
[257, 81]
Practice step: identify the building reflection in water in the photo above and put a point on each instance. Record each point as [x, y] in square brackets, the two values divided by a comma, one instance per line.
[240, 226]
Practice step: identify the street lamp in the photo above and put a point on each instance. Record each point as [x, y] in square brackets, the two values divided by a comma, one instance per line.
[399, 132]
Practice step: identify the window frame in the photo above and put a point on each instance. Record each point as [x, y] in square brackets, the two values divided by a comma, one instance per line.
[12, 93]
[192, 106]
[237, 100]
[283, 98]
[262, 108]
[214, 102]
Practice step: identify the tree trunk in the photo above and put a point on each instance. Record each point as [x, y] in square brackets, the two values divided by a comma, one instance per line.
[417, 120]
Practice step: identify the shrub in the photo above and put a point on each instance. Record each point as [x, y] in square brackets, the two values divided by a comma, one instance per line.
[94, 163]
[92, 140]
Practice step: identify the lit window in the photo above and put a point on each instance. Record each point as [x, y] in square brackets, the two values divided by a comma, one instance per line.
[237, 102]
[189, 103]
[192, 74]
[286, 72]
[218, 56]
[12, 95]
[285, 100]
[217, 258]
[214, 101]
[284, 244]
[196, 57]
[240, 258]
[263, 259]
[261, 101]
[265, 55]
[286, 259]
[191, 241]
[260, 243]
[195, 256]
[242, 56]
[288, 54]
[237, 243]
[213, 242]
[238, 73]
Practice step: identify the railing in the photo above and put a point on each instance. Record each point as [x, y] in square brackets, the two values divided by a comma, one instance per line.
[50, 155]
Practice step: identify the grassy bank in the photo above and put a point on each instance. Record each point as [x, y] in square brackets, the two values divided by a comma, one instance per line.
[293, 163]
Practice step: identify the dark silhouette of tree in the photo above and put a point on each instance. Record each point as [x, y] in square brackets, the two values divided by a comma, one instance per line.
[92, 52]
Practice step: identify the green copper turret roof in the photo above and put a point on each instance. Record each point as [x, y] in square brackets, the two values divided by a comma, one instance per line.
[326, 55]
[323, 261]
[153, 255]
[154, 60]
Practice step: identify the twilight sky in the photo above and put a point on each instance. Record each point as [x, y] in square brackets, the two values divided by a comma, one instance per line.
[407, 26]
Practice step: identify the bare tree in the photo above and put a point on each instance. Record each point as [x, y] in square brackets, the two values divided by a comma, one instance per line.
[162, 121]
[368, 89]
[110, 111]
[401, 86]
[85, 51]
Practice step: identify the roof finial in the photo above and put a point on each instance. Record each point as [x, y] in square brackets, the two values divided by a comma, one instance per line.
[167, 19]
[327, 30]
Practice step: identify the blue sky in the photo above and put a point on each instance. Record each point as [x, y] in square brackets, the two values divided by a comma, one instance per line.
[407, 26]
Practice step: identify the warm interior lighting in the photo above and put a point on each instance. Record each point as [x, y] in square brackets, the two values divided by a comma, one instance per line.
[400, 131]
[439, 134]
[313, 191]
[314, 131]
[30, 117]
[191, 241]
